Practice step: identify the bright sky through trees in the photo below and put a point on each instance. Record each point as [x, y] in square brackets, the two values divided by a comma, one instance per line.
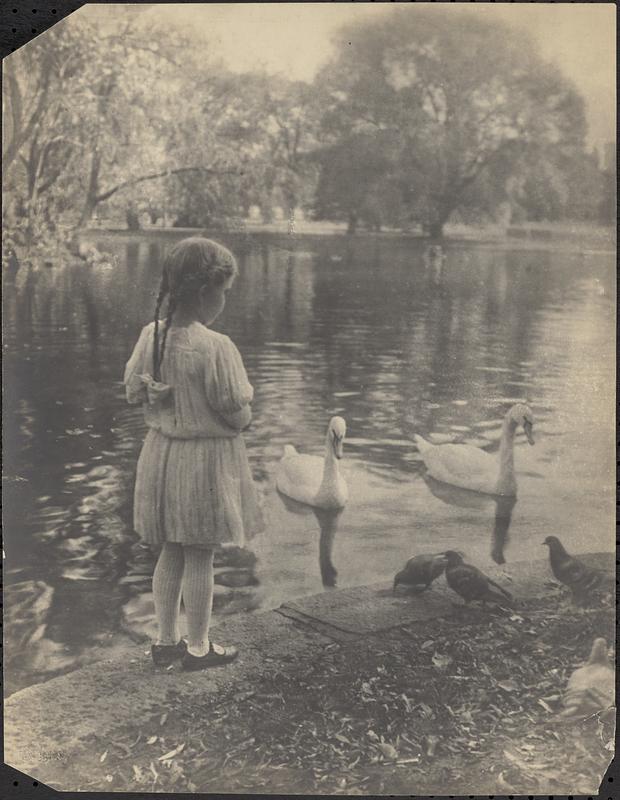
[295, 39]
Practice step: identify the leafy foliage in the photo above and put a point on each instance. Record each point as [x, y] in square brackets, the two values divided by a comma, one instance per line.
[466, 102]
[418, 117]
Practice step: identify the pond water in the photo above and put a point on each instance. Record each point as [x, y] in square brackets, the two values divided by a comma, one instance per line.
[396, 340]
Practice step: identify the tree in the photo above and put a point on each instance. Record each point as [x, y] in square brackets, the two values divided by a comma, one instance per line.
[607, 213]
[290, 114]
[39, 142]
[218, 137]
[74, 98]
[465, 96]
[121, 114]
[352, 179]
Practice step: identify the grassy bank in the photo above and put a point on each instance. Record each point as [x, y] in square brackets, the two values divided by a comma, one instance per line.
[467, 705]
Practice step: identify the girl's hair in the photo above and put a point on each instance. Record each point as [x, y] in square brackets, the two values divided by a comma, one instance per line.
[189, 266]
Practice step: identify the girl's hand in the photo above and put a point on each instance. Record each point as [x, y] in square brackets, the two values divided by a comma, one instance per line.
[239, 420]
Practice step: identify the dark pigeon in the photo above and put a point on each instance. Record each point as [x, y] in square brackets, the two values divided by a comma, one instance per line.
[420, 571]
[472, 584]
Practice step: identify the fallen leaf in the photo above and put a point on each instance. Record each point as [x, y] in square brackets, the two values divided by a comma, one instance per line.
[172, 753]
[152, 739]
[503, 784]
[441, 661]
[163, 718]
[431, 743]
[388, 751]
[407, 703]
[547, 708]
[427, 711]
[103, 757]
[508, 686]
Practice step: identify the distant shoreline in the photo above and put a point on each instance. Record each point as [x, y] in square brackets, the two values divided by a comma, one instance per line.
[526, 236]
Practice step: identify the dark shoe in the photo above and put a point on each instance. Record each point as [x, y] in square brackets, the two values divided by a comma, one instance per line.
[214, 658]
[166, 654]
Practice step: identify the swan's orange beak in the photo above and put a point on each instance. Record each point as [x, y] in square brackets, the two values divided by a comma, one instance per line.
[527, 427]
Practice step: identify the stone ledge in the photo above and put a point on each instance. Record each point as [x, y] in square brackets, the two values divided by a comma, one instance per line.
[45, 724]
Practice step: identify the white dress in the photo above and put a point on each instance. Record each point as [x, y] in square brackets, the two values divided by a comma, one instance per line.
[193, 483]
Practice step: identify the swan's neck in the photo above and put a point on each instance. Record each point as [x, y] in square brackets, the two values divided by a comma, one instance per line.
[330, 468]
[506, 479]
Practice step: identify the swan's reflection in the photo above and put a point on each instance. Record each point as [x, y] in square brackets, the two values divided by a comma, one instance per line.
[328, 526]
[503, 517]
[464, 498]
[328, 523]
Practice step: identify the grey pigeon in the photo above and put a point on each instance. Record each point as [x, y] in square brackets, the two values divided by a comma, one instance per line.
[580, 579]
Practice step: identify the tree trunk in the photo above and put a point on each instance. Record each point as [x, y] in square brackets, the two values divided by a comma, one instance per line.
[266, 214]
[290, 202]
[133, 219]
[352, 226]
[92, 200]
[87, 212]
[435, 229]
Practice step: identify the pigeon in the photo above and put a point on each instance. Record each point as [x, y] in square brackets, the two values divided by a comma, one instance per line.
[590, 688]
[581, 580]
[472, 584]
[421, 571]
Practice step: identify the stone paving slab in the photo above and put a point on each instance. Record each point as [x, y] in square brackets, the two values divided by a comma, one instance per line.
[369, 609]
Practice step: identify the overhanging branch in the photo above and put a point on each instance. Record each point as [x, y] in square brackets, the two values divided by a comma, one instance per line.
[100, 198]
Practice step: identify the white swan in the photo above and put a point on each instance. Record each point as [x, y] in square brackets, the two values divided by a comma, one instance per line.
[471, 468]
[313, 480]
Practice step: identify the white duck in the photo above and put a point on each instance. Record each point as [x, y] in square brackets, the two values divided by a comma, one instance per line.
[313, 480]
[591, 688]
[471, 468]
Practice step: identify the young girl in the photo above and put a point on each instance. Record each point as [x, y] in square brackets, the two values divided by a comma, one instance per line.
[194, 489]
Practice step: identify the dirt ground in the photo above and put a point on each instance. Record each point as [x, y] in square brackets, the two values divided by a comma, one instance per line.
[469, 709]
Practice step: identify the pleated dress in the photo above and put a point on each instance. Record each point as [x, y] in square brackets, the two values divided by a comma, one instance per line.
[193, 482]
